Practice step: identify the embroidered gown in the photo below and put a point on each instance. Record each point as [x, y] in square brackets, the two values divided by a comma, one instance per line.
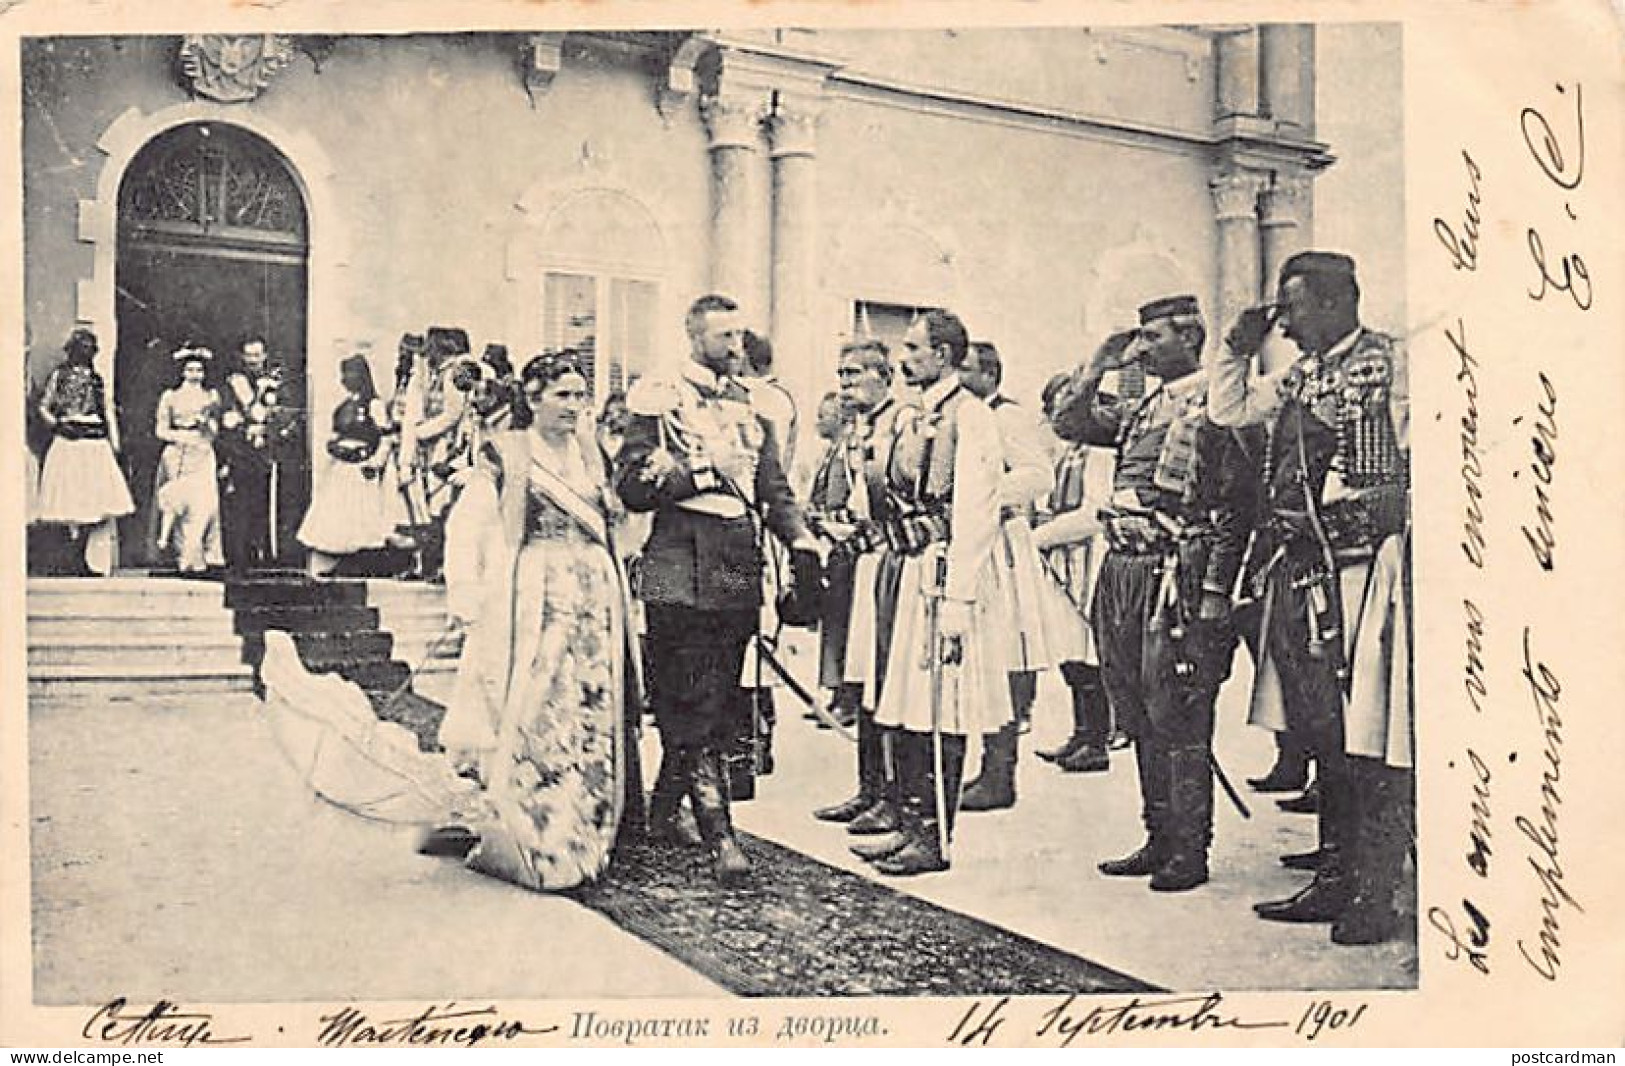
[557, 780]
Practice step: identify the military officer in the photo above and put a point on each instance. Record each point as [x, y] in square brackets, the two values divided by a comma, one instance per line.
[945, 678]
[703, 460]
[1175, 529]
[1333, 575]
[260, 434]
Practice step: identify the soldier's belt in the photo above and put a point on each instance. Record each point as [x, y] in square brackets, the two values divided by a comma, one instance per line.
[911, 532]
[1145, 532]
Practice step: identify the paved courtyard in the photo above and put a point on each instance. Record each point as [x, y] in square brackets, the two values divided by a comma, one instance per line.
[176, 853]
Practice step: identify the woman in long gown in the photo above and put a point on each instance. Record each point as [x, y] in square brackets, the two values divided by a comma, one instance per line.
[81, 486]
[187, 488]
[563, 770]
[353, 510]
[558, 777]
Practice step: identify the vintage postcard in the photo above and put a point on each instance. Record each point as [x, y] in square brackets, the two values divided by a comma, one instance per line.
[842, 525]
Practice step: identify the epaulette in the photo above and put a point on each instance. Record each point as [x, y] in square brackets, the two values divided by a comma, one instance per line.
[653, 397]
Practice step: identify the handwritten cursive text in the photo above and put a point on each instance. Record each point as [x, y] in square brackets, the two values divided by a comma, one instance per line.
[115, 1022]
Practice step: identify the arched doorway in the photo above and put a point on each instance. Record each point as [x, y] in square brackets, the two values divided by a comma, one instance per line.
[212, 250]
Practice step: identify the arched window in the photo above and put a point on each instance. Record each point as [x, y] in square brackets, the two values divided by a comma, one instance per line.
[603, 263]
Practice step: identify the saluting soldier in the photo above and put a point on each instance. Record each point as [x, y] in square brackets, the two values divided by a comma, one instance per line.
[1331, 567]
[702, 459]
[1175, 528]
[945, 679]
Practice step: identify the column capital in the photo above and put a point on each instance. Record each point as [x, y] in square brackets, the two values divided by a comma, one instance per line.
[1286, 201]
[733, 116]
[1235, 194]
[792, 128]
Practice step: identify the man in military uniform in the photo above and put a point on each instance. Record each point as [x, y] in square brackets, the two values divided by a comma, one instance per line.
[945, 679]
[1176, 527]
[259, 431]
[866, 390]
[699, 456]
[1332, 572]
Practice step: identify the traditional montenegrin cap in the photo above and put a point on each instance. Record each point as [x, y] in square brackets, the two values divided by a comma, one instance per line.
[412, 342]
[1170, 307]
[1320, 264]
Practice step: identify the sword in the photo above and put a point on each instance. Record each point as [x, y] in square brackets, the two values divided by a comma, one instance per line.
[764, 654]
[275, 552]
[1224, 783]
[935, 661]
[1212, 759]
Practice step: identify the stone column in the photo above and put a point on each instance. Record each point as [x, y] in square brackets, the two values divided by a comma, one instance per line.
[1235, 204]
[1236, 57]
[792, 130]
[732, 122]
[1286, 220]
[1286, 57]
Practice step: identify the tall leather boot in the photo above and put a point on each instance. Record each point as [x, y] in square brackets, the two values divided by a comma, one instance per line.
[666, 825]
[871, 774]
[1190, 821]
[1090, 708]
[1385, 833]
[1291, 770]
[1077, 682]
[885, 816]
[1325, 898]
[1153, 769]
[923, 853]
[994, 788]
[903, 799]
[709, 792]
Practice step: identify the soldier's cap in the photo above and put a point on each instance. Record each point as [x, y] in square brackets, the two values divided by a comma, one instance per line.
[1169, 307]
[412, 342]
[449, 339]
[1320, 264]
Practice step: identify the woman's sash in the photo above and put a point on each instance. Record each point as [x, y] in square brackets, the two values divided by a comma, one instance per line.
[571, 501]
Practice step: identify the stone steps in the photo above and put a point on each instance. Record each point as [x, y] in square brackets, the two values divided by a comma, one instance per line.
[128, 636]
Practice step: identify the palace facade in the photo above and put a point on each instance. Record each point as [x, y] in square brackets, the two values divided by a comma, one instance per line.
[543, 189]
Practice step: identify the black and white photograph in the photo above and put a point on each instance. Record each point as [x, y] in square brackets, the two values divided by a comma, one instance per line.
[605, 514]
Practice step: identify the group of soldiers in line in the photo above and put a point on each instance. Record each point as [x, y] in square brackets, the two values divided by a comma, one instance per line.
[1269, 509]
